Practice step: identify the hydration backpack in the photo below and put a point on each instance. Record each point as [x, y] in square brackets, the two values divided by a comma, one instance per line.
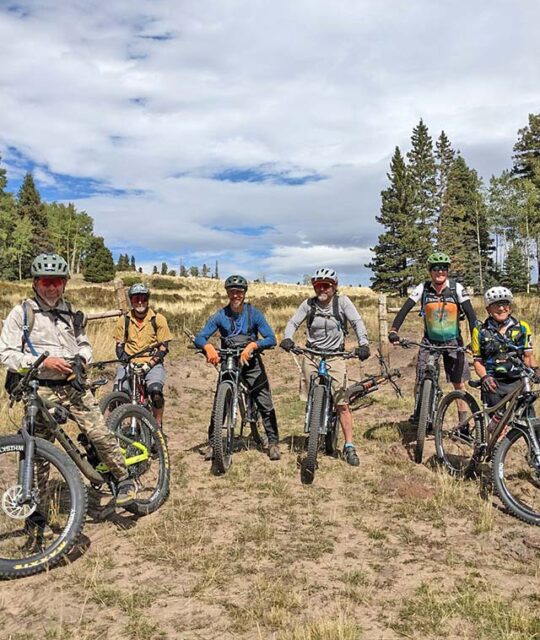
[340, 319]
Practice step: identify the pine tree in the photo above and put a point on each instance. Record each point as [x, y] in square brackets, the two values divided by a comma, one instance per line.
[29, 206]
[7, 225]
[99, 263]
[132, 266]
[527, 167]
[154, 270]
[205, 271]
[194, 272]
[444, 156]
[216, 271]
[164, 268]
[183, 271]
[422, 172]
[515, 274]
[464, 230]
[390, 265]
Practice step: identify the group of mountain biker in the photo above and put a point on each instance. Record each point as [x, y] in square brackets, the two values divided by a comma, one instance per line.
[47, 323]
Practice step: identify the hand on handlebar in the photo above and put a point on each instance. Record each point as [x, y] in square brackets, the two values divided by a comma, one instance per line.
[212, 356]
[287, 344]
[362, 352]
[393, 337]
[489, 384]
[247, 353]
[54, 363]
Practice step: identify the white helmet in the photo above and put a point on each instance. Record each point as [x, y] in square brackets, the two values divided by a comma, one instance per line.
[497, 294]
[324, 274]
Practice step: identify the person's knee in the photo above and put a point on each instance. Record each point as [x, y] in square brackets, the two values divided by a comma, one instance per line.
[156, 395]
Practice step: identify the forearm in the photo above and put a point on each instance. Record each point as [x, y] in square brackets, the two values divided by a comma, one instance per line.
[479, 368]
[297, 319]
[529, 359]
[470, 314]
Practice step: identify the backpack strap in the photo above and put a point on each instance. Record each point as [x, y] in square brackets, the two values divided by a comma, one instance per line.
[341, 320]
[153, 322]
[126, 327]
[28, 325]
[312, 312]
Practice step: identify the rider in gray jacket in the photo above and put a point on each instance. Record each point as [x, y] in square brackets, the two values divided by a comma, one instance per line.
[326, 316]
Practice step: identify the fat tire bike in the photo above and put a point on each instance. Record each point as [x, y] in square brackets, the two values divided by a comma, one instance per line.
[321, 420]
[428, 393]
[43, 499]
[507, 435]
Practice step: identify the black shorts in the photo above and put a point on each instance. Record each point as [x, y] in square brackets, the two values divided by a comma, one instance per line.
[455, 363]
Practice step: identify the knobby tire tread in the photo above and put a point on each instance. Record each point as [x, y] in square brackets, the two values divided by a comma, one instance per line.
[425, 406]
[154, 438]
[78, 501]
[315, 420]
[222, 412]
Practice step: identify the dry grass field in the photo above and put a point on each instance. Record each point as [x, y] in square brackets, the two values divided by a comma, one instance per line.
[389, 550]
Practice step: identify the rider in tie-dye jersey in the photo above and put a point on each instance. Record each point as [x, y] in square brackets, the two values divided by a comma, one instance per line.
[442, 302]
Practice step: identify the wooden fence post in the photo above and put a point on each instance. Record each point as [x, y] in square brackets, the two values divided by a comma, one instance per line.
[383, 328]
[121, 295]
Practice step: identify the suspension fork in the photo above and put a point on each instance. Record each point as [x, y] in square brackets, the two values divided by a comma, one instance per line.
[26, 464]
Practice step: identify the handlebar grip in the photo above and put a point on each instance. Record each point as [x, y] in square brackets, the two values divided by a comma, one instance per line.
[41, 359]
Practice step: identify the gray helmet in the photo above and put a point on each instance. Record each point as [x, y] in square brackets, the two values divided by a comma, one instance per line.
[49, 264]
[140, 289]
[497, 294]
[236, 282]
[324, 274]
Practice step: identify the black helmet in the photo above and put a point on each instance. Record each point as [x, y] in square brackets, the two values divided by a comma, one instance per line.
[236, 282]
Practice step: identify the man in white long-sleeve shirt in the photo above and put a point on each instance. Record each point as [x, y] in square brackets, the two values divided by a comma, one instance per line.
[326, 316]
[47, 323]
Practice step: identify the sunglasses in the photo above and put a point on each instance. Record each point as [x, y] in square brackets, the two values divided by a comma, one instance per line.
[502, 304]
[322, 285]
[235, 292]
[51, 281]
[139, 298]
[439, 267]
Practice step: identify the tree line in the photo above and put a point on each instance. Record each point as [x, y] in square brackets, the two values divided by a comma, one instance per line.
[29, 226]
[435, 201]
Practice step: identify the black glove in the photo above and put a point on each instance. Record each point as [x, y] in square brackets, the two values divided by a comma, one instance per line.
[393, 337]
[287, 344]
[77, 379]
[120, 353]
[489, 384]
[362, 352]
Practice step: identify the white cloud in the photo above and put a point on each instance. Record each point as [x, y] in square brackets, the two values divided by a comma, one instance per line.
[308, 86]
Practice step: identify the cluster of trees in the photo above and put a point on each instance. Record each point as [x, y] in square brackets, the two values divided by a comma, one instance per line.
[29, 226]
[125, 263]
[435, 201]
[187, 272]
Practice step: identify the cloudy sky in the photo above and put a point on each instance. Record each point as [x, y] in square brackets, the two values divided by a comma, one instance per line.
[255, 133]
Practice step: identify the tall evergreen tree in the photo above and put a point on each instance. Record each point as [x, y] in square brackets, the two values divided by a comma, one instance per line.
[464, 230]
[205, 271]
[422, 173]
[444, 156]
[29, 206]
[183, 271]
[7, 226]
[132, 265]
[516, 274]
[99, 264]
[216, 271]
[155, 270]
[164, 269]
[390, 263]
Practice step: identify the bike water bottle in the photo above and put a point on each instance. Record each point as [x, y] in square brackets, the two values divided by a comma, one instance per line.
[495, 419]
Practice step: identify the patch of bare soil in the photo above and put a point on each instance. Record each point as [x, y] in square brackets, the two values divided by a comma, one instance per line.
[387, 550]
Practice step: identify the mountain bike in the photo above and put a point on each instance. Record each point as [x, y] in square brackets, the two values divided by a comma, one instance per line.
[428, 393]
[135, 379]
[506, 435]
[321, 420]
[43, 499]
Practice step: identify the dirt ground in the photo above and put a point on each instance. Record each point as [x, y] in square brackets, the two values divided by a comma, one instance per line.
[387, 550]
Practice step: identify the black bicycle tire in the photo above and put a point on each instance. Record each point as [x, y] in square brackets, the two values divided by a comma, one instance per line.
[155, 439]
[331, 438]
[314, 424]
[442, 454]
[222, 459]
[109, 397]
[78, 503]
[497, 468]
[425, 404]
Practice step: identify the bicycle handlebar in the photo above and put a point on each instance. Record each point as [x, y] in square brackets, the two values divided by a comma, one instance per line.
[407, 344]
[16, 393]
[323, 354]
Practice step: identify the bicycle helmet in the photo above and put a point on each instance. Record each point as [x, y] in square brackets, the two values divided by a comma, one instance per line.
[323, 274]
[138, 289]
[236, 282]
[49, 264]
[438, 258]
[497, 294]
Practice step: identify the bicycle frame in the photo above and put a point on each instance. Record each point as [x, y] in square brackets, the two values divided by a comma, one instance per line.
[322, 377]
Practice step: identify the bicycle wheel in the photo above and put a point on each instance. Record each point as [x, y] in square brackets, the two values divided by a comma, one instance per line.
[516, 475]
[316, 418]
[454, 438]
[36, 536]
[250, 416]
[331, 437]
[223, 429]
[109, 402]
[132, 425]
[423, 418]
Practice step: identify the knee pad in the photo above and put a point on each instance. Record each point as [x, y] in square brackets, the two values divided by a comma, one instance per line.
[157, 398]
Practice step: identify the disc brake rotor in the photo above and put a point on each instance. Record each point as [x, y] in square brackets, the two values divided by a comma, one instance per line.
[11, 505]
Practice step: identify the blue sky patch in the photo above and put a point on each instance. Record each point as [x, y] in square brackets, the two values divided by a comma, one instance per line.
[265, 173]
